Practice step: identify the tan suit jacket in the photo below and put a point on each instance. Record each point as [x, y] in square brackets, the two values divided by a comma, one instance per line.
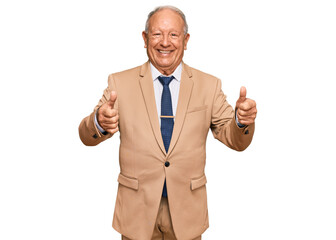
[142, 156]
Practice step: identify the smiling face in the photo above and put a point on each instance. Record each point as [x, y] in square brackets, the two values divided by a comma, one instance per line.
[165, 40]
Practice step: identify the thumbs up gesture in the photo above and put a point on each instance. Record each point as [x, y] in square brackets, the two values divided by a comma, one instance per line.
[107, 116]
[246, 108]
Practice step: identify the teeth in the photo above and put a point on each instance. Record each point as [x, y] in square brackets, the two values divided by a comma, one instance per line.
[164, 51]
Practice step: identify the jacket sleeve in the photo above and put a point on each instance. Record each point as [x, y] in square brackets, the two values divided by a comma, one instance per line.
[224, 126]
[88, 131]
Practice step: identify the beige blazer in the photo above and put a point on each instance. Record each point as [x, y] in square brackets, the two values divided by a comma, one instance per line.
[142, 156]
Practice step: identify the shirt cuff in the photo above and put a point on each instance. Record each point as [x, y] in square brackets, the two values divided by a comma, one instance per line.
[98, 126]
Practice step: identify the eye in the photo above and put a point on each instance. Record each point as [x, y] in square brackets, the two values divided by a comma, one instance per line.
[156, 34]
[174, 35]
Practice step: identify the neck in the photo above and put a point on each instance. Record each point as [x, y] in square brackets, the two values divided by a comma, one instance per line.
[166, 71]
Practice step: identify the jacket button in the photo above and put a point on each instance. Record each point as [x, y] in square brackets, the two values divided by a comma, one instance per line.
[167, 164]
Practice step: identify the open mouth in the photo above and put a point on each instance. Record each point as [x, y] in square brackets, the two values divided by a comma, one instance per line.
[164, 51]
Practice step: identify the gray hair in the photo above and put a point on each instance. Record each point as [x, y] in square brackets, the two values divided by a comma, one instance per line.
[175, 9]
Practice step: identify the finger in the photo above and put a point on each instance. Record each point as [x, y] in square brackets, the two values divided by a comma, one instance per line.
[248, 112]
[109, 121]
[249, 118]
[247, 105]
[110, 113]
[106, 126]
[113, 98]
[246, 122]
[115, 119]
[246, 119]
[240, 117]
[242, 95]
[113, 130]
[111, 125]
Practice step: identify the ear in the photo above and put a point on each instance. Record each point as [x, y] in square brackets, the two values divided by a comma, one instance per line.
[186, 39]
[144, 36]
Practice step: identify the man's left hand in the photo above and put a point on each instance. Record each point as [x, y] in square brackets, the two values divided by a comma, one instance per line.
[246, 108]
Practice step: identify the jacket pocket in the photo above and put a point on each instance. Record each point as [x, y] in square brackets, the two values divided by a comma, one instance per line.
[128, 182]
[196, 109]
[198, 182]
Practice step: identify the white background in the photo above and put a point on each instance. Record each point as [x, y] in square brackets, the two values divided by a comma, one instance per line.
[55, 57]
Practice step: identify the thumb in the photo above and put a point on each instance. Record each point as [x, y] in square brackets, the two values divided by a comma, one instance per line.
[242, 95]
[113, 98]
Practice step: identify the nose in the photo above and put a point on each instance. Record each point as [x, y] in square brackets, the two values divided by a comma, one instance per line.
[165, 42]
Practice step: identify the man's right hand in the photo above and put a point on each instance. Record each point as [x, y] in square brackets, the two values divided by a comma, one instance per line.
[108, 118]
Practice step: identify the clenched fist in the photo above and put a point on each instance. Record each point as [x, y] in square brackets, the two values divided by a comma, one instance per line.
[108, 118]
[246, 108]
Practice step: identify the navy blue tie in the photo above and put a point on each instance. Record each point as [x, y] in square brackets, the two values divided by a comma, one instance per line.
[167, 117]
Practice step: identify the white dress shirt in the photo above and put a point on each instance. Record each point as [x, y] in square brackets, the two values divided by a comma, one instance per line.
[174, 87]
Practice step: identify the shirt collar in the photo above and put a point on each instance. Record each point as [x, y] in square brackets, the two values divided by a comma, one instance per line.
[177, 73]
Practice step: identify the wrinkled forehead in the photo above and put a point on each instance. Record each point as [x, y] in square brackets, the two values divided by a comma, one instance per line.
[166, 20]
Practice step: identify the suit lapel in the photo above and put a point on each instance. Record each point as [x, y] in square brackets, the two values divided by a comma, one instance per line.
[146, 84]
[182, 106]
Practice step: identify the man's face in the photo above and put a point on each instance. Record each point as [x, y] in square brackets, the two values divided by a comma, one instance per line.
[165, 41]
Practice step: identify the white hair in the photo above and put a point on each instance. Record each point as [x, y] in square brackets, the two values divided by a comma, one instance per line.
[175, 9]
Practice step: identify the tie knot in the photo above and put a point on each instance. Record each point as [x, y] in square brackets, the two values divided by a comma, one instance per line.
[165, 80]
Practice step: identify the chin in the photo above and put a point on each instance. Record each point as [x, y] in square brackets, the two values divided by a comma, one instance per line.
[165, 64]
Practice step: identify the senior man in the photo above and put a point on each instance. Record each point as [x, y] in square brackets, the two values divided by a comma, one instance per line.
[163, 110]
